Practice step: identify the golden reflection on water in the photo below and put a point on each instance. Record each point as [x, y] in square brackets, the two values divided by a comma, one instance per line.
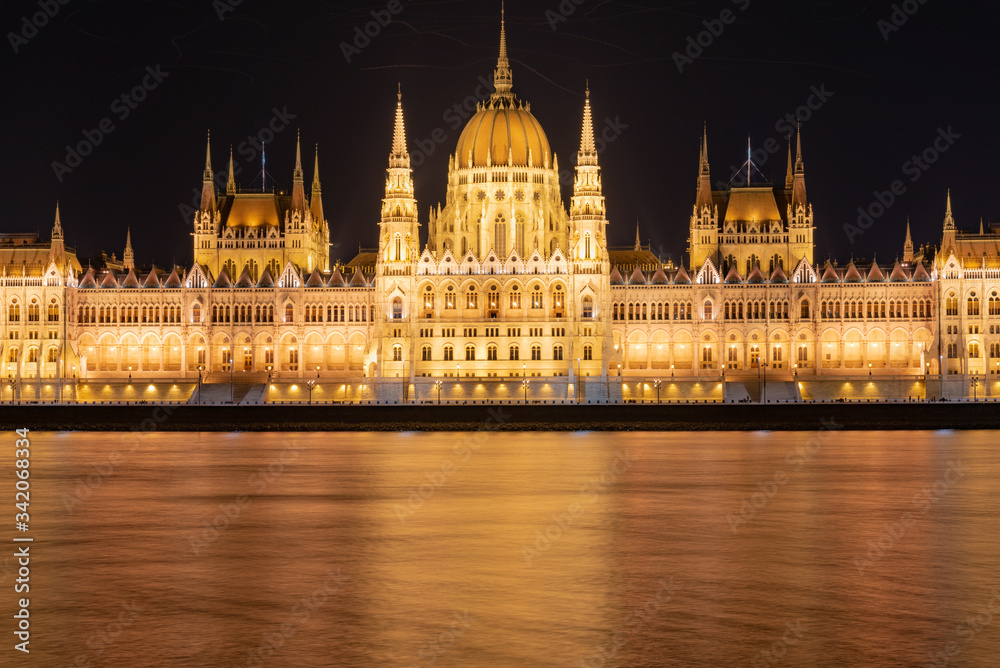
[515, 549]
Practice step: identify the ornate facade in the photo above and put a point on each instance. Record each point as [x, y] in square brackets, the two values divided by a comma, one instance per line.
[509, 294]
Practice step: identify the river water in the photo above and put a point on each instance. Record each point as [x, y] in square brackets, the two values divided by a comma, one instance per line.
[826, 548]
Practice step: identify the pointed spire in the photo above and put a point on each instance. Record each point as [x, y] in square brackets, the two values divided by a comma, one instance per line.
[399, 157]
[908, 244]
[949, 219]
[981, 225]
[208, 176]
[704, 175]
[588, 150]
[502, 77]
[298, 178]
[128, 257]
[789, 174]
[231, 183]
[316, 202]
[57, 225]
[298, 175]
[638, 243]
[208, 179]
[799, 178]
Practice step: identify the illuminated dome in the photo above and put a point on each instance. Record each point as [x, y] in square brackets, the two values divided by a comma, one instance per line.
[499, 132]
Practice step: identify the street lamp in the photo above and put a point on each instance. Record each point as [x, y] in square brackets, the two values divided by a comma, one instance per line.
[795, 370]
[657, 383]
[199, 385]
[975, 388]
[671, 372]
[310, 384]
[437, 386]
[869, 369]
[317, 370]
[130, 374]
[524, 383]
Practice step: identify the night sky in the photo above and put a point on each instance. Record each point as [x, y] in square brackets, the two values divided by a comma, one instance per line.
[890, 92]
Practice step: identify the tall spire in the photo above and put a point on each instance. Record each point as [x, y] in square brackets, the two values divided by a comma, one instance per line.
[298, 178]
[316, 202]
[128, 257]
[908, 244]
[502, 78]
[789, 174]
[399, 157]
[208, 179]
[704, 175]
[231, 183]
[638, 243]
[57, 231]
[949, 219]
[799, 178]
[588, 150]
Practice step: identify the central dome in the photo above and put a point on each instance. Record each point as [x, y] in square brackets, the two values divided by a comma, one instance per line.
[501, 131]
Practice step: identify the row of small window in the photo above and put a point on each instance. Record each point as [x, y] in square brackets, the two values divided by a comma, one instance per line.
[536, 298]
[34, 311]
[973, 350]
[13, 334]
[971, 304]
[128, 314]
[661, 311]
[777, 310]
[492, 353]
[876, 309]
[52, 355]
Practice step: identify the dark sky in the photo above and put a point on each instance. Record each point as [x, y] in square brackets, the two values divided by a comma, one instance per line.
[889, 99]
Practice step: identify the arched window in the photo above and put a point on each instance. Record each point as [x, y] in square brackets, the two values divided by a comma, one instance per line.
[293, 359]
[515, 352]
[973, 306]
[974, 350]
[289, 313]
[449, 353]
[500, 235]
[34, 311]
[428, 299]
[53, 354]
[273, 268]
[425, 354]
[53, 315]
[470, 353]
[951, 304]
[536, 352]
[397, 308]
[230, 268]
[557, 352]
[515, 297]
[472, 298]
[32, 354]
[397, 353]
[449, 297]
[536, 297]
[804, 309]
[588, 306]
[587, 251]
[588, 352]
[709, 310]
[491, 353]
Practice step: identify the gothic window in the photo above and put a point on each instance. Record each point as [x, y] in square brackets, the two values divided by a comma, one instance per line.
[515, 298]
[974, 350]
[470, 353]
[397, 309]
[588, 307]
[491, 353]
[425, 354]
[500, 235]
[397, 353]
[973, 305]
[557, 353]
[515, 353]
[472, 298]
[536, 297]
[588, 352]
[230, 268]
[33, 311]
[289, 313]
[449, 353]
[804, 309]
[536, 352]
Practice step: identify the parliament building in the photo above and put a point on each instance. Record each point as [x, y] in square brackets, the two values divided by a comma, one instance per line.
[508, 295]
